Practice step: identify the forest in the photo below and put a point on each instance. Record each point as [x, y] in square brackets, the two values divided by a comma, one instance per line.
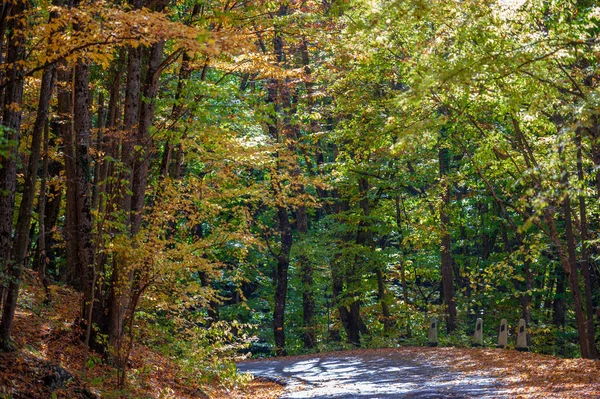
[205, 179]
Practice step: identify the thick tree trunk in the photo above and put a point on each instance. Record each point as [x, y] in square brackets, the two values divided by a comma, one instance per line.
[82, 125]
[353, 323]
[130, 124]
[4, 18]
[142, 147]
[8, 169]
[65, 105]
[136, 149]
[143, 141]
[121, 275]
[445, 248]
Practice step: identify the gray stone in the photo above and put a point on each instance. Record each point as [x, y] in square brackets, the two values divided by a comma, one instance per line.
[432, 337]
[503, 334]
[478, 335]
[56, 377]
[522, 337]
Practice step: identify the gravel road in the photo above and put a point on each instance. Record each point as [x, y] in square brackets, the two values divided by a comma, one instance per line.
[370, 375]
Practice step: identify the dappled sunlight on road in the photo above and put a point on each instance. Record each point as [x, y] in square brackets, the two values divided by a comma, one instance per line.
[370, 375]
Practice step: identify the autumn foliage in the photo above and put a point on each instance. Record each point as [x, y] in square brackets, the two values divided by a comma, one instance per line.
[208, 179]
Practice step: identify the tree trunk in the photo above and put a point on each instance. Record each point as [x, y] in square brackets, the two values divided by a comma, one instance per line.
[65, 104]
[98, 179]
[41, 255]
[569, 264]
[402, 265]
[139, 175]
[445, 248]
[284, 226]
[385, 309]
[306, 267]
[568, 258]
[105, 199]
[350, 327]
[559, 303]
[25, 209]
[121, 275]
[82, 125]
[306, 275]
[184, 73]
[7, 7]
[283, 262]
[4, 18]
[585, 256]
[38, 135]
[130, 123]
[573, 275]
[52, 205]
[364, 241]
[595, 137]
[8, 168]
[143, 141]
[110, 142]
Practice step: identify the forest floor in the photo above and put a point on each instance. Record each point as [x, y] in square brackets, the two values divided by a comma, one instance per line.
[47, 343]
[419, 372]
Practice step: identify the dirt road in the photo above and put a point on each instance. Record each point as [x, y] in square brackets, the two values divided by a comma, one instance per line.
[370, 375]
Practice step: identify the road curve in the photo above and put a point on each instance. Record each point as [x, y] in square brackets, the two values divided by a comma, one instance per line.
[370, 374]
